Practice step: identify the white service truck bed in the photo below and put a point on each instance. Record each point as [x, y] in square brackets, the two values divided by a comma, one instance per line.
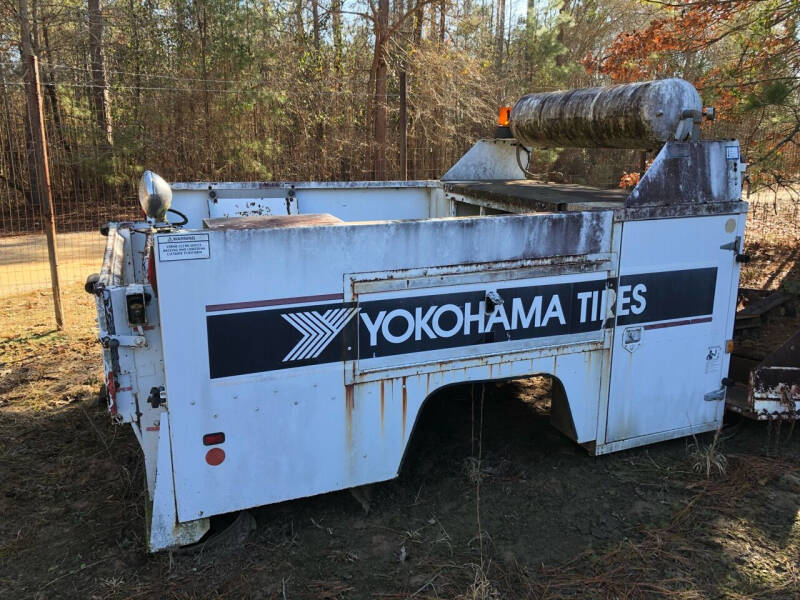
[282, 343]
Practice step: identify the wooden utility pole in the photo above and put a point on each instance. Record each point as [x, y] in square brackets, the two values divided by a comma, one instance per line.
[42, 175]
[403, 127]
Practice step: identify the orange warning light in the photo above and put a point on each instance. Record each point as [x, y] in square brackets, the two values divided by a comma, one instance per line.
[504, 116]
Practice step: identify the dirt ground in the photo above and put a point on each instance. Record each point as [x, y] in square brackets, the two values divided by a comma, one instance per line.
[509, 509]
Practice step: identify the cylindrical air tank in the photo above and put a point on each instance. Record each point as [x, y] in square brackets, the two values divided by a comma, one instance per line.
[635, 115]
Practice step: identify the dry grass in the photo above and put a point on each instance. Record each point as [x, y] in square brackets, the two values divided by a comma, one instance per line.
[708, 532]
[708, 459]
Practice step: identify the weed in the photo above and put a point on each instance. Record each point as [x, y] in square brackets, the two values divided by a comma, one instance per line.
[707, 458]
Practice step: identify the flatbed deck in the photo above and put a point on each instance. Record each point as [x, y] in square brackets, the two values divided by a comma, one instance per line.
[528, 195]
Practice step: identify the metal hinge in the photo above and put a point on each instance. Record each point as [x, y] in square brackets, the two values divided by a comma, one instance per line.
[715, 396]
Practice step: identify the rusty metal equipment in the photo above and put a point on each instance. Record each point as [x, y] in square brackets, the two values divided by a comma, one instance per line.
[765, 386]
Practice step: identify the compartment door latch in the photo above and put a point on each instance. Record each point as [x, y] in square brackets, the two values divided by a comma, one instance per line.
[735, 246]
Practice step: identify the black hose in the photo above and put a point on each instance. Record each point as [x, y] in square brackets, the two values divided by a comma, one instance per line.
[524, 169]
[181, 215]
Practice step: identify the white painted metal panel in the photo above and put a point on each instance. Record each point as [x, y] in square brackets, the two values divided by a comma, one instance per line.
[659, 383]
[252, 206]
[366, 203]
[299, 431]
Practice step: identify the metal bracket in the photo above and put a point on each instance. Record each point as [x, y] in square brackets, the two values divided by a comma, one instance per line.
[715, 396]
[114, 341]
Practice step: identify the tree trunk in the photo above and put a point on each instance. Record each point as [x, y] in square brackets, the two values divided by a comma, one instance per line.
[419, 15]
[561, 59]
[201, 18]
[50, 90]
[25, 50]
[14, 176]
[499, 34]
[315, 16]
[100, 99]
[381, 76]
[336, 20]
[530, 36]
[298, 20]
[442, 13]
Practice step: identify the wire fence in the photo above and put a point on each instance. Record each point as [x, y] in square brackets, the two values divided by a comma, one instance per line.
[175, 128]
[217, 130]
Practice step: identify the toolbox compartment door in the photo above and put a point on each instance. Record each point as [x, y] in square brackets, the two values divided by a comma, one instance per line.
[407, 319]
[669, 356]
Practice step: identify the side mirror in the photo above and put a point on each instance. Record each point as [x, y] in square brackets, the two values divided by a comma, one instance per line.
[155, 196]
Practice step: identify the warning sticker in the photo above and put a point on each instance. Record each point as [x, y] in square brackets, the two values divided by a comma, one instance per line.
[713, 358]
[732, 152]
[183, 247]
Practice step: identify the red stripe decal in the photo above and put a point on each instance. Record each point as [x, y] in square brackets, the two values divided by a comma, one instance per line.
[275, 302]
[678, 323]
[153, 428]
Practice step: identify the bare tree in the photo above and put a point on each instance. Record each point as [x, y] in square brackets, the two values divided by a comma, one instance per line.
[99, 95]
[384, 31]
[499, 33]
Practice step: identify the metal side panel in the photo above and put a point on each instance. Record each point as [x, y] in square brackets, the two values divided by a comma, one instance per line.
[446, 322]
[674, 314]
[256, 331]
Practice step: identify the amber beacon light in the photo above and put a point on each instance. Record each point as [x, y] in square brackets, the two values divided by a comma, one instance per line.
[504, 116]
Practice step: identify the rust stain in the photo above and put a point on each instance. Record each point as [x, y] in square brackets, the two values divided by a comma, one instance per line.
[383, 404]
[405, 406]
[349, 402]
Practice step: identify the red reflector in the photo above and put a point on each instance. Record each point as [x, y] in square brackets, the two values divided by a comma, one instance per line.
[215, 456]
[212, 439]
[111, 388]
[151, 272]
[111, 385]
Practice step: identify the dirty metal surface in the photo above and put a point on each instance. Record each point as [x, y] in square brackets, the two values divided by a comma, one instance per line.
[638, 115]
[271, 222]
[675, 211]
[691, 173]
[529, 195]
[486, 160]
[300, 185]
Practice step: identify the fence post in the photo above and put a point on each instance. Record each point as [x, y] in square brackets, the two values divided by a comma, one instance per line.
[36, 119]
